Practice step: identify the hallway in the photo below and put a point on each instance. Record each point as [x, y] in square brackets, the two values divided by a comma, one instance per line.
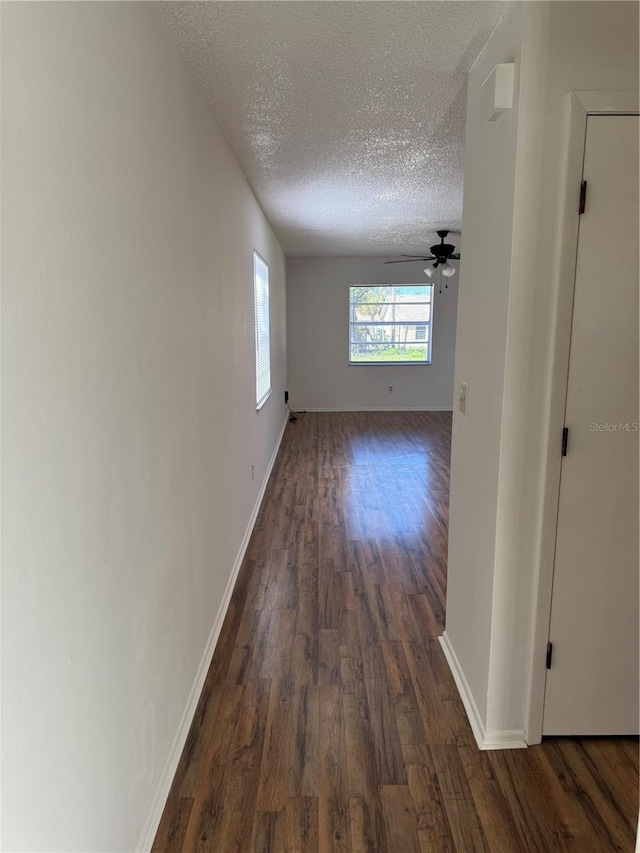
[329, 720]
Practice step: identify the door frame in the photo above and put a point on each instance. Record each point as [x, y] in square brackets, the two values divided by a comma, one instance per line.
[579, 106]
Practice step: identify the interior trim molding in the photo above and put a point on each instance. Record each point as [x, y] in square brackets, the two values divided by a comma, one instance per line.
[485, 738]
[154, 814]
[379, 409]
[475, 719]
[578, 106]
[504, 739]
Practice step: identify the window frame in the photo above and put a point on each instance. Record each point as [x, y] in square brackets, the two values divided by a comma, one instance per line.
[262, 399]
[416, 323]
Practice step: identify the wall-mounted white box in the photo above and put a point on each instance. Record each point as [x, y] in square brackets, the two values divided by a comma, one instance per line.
[497, 91]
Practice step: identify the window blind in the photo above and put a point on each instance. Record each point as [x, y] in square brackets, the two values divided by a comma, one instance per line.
[263, 344]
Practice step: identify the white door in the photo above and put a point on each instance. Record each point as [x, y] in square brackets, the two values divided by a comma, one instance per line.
[592, 683]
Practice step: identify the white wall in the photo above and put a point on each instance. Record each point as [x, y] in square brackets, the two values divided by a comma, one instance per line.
[495, 561]
[481, 339]
[320, 376]
[129, 422]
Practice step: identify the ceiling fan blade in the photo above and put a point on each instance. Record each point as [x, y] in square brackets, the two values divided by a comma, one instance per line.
[431, 258]
[455, 257]
[409, 261]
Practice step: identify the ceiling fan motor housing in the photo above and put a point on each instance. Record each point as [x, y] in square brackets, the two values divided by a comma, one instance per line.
[442, 250]
[440, 254]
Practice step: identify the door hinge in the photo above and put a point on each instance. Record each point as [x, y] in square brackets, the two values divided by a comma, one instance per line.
[549, 654]
[565, 439]
[583, 197]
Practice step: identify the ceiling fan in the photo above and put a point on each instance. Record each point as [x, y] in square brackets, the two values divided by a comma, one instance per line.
[441, 253]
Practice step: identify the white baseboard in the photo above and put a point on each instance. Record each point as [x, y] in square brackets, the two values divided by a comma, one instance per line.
[504, 739]
[485, 738]
[476, 721]
[152, 821]
[378, 409]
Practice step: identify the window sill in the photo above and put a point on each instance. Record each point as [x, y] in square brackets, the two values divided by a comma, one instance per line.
[261, 403]
[389, 363]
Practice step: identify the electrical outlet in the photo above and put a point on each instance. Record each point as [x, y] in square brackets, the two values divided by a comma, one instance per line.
[463, 396]
[390, 389]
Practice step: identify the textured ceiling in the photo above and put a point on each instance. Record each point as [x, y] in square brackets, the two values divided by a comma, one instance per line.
[347, 117]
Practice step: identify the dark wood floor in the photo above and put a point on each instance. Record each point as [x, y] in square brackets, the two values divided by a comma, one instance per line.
[329, 720]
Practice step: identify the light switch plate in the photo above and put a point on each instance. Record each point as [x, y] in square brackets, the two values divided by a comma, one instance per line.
[463, 397]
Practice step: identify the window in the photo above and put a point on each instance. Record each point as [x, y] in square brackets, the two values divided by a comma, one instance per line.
[390, 324]
[263, 344]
